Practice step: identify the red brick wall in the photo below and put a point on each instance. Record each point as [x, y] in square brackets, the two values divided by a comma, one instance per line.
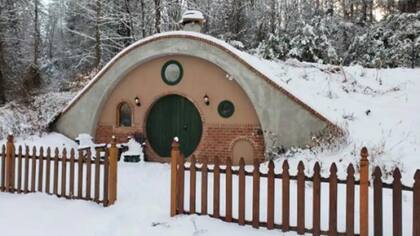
[217, 140]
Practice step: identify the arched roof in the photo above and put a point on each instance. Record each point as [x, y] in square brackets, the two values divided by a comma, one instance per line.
[257, 84]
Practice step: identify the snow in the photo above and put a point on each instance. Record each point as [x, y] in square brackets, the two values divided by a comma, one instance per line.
[134, 148]
[85, 140]
[192, 15]
[378, 109]
[142, 206]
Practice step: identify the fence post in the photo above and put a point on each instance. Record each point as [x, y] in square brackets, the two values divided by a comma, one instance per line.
[112, 172]
[364, 192]
[10, 154]
[175, 153]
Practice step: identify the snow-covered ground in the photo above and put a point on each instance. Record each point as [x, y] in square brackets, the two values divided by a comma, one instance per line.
[142, 207]
[379, 109]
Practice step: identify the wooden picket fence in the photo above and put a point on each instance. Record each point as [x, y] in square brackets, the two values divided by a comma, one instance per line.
[178, 170]
[65, 174]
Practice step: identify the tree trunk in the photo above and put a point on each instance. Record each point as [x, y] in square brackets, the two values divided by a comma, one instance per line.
[365, 10]
[131, 27]
[273, 14]
[143, 24]
[98, 46]
[345, 11]
[2, 86]
[157, 16]
[36, 34]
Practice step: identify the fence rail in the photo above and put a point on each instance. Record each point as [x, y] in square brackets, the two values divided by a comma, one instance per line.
[350, 184]
[68, 174]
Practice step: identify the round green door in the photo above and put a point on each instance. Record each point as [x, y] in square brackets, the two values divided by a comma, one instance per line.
[174, 116]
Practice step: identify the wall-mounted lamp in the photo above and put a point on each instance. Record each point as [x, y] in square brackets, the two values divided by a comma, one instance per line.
[137, 101]
[206, 100]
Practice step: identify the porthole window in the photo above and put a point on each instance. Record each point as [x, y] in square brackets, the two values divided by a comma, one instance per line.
[226, 109]
[172, 72]
[124, 115]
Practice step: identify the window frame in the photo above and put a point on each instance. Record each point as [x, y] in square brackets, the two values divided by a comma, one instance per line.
[181, 72]
[219, 109]
[118, 121]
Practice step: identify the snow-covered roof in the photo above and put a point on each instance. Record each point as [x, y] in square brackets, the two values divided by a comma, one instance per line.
[192, 15]
[261, 67]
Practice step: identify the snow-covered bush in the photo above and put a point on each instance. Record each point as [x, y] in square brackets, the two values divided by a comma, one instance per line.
[312, 43]
[274, 47]
[34, 116]
[394, 42]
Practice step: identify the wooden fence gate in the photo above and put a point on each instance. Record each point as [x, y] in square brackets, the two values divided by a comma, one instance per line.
[65, 174]
[350, 184]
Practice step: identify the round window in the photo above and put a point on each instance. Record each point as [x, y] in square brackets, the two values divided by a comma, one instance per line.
[172, 72]
[226, 109]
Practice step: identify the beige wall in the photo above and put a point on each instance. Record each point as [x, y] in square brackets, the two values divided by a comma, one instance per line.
[200, 77]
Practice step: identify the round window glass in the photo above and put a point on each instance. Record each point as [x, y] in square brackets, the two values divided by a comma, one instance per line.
[226, 109]
[172, 72]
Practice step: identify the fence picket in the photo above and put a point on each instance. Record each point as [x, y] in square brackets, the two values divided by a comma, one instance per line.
[48, 171]
[71, 176]
[80, 175]
[256, 194]
[106, 174]
[192, 184]
[88, 174]
[204, 176]
[181, 180]
[55, 175]
[241, 207]
[350, 201]
[97, 175]
[316, 216]
[63, 172]
[416, 204]
[216, 188]
[301, 199]
[40, 169]
[285, 197]
[397, 203]
[3, 168]
[228, 189]
[33, 169]
[26, 177]
[332, 231]
[270, 195]
[19, 170]
[377, 202]
[10, 164]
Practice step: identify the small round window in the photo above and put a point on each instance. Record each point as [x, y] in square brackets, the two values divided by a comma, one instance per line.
[172, 72]
[226, 109]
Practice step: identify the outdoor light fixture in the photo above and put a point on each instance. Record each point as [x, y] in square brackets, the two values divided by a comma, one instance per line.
[206, 100]
[137, 100]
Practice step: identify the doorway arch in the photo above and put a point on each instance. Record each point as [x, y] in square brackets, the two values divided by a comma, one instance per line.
[173, 116]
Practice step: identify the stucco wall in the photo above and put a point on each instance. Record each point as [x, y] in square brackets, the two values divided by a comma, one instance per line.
[200, 78]
[293, 123]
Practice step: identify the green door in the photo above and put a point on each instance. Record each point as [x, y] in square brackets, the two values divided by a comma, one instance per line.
[173, 116]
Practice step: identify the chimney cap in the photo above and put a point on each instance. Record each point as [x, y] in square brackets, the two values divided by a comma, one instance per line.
[192, 16]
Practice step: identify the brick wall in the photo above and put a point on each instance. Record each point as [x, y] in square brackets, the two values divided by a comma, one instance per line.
[217, 140]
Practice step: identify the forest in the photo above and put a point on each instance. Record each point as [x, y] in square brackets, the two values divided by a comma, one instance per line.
[48, 45]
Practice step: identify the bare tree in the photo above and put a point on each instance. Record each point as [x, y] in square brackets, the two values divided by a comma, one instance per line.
[157, 15]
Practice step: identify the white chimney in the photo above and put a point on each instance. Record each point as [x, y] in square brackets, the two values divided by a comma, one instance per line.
[192, 20]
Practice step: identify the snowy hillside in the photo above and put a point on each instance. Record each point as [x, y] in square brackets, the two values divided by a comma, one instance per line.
[377, 108]
[32, 117]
